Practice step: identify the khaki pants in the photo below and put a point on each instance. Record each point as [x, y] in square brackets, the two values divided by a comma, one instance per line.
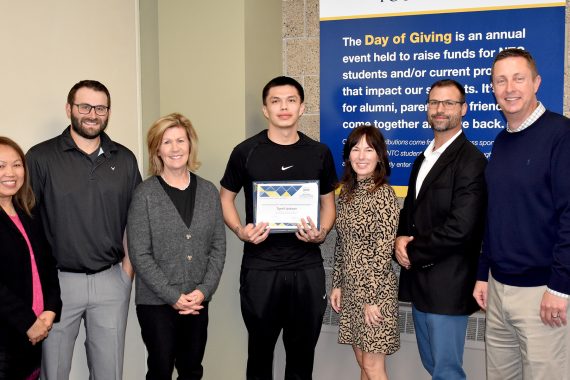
[519, 346]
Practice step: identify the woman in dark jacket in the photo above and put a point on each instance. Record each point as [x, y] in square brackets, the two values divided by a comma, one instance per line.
[29, 288]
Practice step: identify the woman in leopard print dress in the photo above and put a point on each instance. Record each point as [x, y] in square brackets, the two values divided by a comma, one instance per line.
[364, 283]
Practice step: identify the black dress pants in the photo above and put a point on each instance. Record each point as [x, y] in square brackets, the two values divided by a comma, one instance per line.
[290, 300]
[19, 359]
[173, 340]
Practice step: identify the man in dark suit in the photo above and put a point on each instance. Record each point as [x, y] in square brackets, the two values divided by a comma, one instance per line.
[440, 233]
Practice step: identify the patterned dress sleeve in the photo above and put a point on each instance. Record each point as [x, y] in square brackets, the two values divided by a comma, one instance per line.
[383, 233]
[337, 278]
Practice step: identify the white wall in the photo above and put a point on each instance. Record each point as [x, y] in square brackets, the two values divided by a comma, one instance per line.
[201, 61]
[213, 59]
[194, 62]
[48, 46]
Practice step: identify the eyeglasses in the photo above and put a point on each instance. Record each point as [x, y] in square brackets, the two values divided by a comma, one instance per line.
[447, 104]
[85, 108]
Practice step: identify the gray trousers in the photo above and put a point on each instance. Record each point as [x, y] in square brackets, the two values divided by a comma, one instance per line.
[102, 301]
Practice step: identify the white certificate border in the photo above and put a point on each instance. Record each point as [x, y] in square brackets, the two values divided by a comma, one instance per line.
[290, 229]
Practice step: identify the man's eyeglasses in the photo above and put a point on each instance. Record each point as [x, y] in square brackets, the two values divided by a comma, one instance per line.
[85, 108]
[447, 104]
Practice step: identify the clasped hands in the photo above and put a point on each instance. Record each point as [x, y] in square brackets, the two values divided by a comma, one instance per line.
[41, 327]
[190, 303]
[306, 231]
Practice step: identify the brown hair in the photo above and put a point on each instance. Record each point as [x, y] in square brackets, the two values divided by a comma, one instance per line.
[24, 198]
[515, 52]
[90, 84]
[449, 83]
[154, 139]
[374, 139]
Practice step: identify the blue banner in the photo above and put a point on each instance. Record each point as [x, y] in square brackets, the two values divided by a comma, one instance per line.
[378, 70]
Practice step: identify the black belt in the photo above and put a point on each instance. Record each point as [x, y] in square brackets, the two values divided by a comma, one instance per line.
[86, 271]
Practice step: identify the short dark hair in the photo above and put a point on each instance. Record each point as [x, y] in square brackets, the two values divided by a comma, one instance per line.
[375, 139]
[91, 84]
[515, 52]
[282, 81]
[448, 83]
[24, 197]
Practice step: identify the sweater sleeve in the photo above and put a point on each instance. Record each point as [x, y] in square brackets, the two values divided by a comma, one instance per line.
[560, 184]
[139, 239]
[217, 251]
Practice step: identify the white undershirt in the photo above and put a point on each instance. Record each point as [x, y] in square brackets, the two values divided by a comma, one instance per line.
[431, 157]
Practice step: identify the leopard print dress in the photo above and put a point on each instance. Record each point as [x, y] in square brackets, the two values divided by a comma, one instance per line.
[366, 227]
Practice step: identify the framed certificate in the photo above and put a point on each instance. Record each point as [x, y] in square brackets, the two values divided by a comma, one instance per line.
[282, 204]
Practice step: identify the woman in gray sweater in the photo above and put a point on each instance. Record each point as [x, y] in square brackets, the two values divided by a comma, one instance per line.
[177, 245]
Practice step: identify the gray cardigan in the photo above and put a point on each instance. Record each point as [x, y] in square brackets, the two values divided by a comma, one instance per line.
[169, 258]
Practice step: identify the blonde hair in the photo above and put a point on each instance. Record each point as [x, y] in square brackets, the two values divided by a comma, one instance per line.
[515, 53]
[154, 139]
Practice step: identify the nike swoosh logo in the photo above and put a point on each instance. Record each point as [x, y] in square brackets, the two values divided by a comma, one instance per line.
[286, 167]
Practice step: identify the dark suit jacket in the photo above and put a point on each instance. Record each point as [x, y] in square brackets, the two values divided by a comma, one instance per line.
[446, 221]
[16, 314]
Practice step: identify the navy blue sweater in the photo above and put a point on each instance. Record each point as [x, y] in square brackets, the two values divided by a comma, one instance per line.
[527, 238]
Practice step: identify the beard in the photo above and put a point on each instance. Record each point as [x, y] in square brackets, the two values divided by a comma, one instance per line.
[76, 125]
[452, 122]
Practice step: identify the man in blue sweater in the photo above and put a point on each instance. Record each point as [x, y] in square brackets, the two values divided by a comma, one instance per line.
[524, 270]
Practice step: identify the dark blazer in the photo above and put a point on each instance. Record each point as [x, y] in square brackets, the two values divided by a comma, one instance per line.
[16, 314]
[447, 221]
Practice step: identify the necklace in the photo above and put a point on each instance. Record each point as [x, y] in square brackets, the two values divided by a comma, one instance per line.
[176, 187]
